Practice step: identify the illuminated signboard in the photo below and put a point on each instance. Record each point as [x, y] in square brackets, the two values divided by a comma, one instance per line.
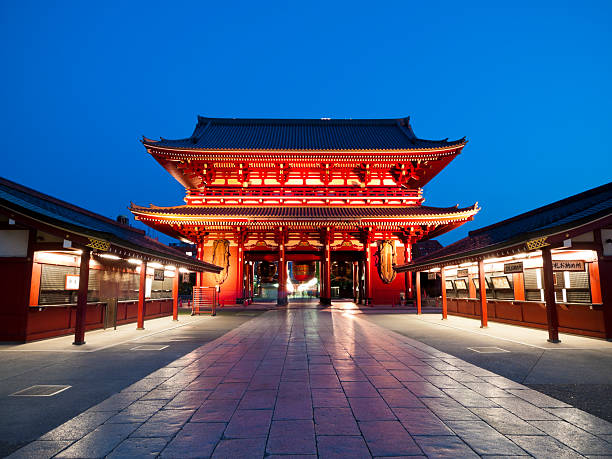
[568, 265]
[72, 282]
[511, 268]
[462, 272]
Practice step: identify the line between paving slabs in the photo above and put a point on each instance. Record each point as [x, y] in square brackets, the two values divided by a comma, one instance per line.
[275, 323]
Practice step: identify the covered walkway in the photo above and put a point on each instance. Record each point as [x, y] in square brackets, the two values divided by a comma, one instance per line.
[326, 383]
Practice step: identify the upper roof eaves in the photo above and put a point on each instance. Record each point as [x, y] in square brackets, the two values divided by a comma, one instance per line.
[238, 134]
[566, 213]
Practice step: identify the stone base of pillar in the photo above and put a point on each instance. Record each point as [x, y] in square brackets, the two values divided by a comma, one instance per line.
[555, 341]
[282, 302]
[79, 343]
[325, 301]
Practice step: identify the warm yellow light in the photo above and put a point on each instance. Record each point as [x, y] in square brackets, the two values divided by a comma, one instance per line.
[109, 256]
[170, 267]
[134, 261]
[183, 270]
[155, 265]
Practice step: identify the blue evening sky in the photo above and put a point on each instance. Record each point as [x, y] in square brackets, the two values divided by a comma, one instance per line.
[528, 82]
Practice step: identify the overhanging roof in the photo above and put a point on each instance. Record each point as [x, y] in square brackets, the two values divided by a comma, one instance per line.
[22, 203]
[307, 212]
[235, 134]
[559, 217]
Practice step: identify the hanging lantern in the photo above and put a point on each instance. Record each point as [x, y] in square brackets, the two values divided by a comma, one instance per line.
[303, 271]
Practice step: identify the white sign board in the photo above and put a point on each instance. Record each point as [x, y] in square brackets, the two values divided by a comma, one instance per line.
[148, 286]
[72, 282]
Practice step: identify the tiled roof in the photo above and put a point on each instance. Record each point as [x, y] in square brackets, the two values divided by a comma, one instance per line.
[561, 215]
[303, 134]
[47, 209]
[304, 212]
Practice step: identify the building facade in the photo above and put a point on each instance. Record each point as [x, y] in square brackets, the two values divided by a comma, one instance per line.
[548, 268]
[302, 208]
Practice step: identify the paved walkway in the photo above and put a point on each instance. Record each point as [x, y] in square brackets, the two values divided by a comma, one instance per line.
[308, 382]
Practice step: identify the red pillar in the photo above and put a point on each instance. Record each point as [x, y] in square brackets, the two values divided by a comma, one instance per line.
[408, 274]
[484, 314]
[605, 272]
[444, 305]
[282, 270]
[355, 281]
[175, 292]
[240, 269]
[549, 295]
[81, 312]
[368, 271]
[200, 256]
[326, 274]
[418, 292]
[141, 295]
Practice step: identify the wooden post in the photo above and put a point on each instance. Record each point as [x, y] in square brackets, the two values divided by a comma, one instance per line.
[368, 272]
[141, 295]
[81, 312]
[552, 317]
[282, 271]
[444, 305]
[408, 274]
[484, 315]
[418, 292]
[355, 281]
[240, 268]
[200, 256]
[175, 294]
[326, 265]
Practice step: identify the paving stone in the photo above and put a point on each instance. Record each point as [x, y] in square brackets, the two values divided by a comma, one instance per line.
[423, 389]
[385, 382]
[448, 409]
[329, 398]
[484, 439]
[144, 385]
[359, 389]
[538, 399]
[249, 424]
[138, 447]
[240, 447]
[462, 376]
[502, 383]
[258, 400]
[291, 437]
[205, 383]
[138, 411]
[186, 400]
[544, 447]
[388, 438]
[523, 409]
[406, 375]
[228, 391]
[117, 402]
[575, 438]
[421, 421]
[505, 422]
[40, 449]
[293, 408]
[584, 420]
[215, 411]
[445, 447]
[401, 398]
[341, 447]
[195, 440]
[318, 381]
[335, 421]
[99, 442]
[371, 409]
[469, 398]
[78, 426]
[443, 382]
[487, 389]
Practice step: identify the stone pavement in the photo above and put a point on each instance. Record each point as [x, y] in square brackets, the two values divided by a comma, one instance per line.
[310, 383]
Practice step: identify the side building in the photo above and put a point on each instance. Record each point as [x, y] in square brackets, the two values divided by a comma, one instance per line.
[548, 268]
[64, 269]
[304, 208]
